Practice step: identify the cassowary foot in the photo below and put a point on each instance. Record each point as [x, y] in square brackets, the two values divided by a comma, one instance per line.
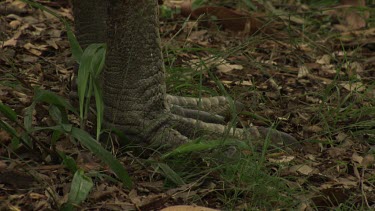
[190, 118]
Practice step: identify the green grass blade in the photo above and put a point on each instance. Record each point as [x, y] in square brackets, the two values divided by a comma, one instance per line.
[83, 78]
[86, 140]
[5, 126]
[99, 109]
[53, 99]
[8, 112]
[74, 45]
[92, 62]
[170, 174]
[201, 146]
[98, 61]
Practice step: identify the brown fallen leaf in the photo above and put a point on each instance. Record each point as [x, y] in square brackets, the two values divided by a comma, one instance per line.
[13, 41]
[357, 158]
[368, 160]
[351, 19]
[303, 71]
[226, 67]
[282, 159]
[14, 24]
[5, 137]
[347, 182]
[187, 208]
[357, 86]
[35, 49]
[302, 169]
[335, 152]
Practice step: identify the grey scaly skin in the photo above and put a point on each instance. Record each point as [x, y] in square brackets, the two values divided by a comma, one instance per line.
[133, 81]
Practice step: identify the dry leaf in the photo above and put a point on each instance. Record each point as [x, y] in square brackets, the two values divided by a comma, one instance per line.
[19, 4]
[134, 198]
[197, 36]
[341, 136]
[282, 159]
[244, 83]
[347, 183]
[4, 137]
[335, 152]
[187, 208]
[12, 41]
[302, 169]
[303, 71]
[355, 171]
[353, 69]
[313, 129]
[325, 59]
[3, 165]
[357, 86]
[352, 19]
[15, 24]
[329, 70]
[368, 160]
[225, 68]
[356, 158]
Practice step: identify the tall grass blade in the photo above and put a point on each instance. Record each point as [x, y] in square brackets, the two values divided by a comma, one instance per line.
[8, 112]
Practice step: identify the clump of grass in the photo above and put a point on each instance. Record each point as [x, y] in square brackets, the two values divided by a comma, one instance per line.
[238, 180]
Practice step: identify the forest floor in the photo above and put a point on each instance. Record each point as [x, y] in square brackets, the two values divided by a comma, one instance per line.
[307, 70]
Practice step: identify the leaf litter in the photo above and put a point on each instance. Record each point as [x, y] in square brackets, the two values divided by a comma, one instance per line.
[315, 80]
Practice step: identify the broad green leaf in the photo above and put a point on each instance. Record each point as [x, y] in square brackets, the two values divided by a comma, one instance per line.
[99, 109]
[67, 127]
[8, 112]
[55, 114]
[67, 207]
[92, 63]
[86, 140]
[84, 76]
[69, 162]
[26, 139]
[63, 128]
[80, 187]
[52, 99]
[55, 136]
[74, 45]
[99, 60]
[55, 128]
[15, 143]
